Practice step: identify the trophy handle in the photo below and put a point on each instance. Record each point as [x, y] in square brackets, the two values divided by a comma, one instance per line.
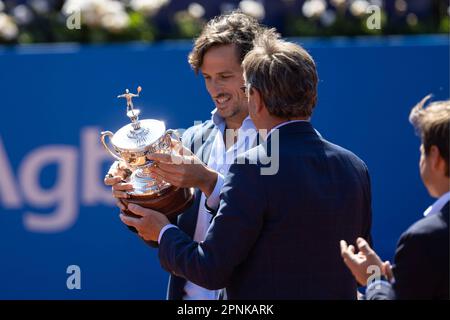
[174, 133]
[109, 134]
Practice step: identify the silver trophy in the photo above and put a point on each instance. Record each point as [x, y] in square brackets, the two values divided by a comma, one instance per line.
[131, 144]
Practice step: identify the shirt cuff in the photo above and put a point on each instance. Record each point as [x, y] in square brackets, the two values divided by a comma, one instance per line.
[378, 284]
[167, 226]
[214, 198]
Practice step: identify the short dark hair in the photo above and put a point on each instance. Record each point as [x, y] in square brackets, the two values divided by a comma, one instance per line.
[284, 74]
[233, 28]
[432, 124]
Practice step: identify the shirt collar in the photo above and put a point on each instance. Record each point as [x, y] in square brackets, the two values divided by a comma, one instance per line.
[216, 118]
[438, 205]
[220, 122]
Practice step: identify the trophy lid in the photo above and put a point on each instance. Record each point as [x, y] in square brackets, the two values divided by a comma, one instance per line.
[139, 134]
[136, 140]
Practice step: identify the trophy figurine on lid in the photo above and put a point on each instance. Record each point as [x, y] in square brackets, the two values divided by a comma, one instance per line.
[132, 143]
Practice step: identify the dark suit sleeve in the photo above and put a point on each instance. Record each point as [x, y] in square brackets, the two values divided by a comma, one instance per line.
[233, 232]
[413, 267]
[412, 271]
[367, 223]
[381, 290]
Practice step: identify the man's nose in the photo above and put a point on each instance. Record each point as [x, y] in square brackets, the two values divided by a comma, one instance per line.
[216, 87]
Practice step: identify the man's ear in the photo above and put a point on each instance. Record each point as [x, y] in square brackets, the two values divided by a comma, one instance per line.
[437, 161]
[259, 102]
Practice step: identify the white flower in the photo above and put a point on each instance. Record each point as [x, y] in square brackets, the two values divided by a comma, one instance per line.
[8, 29]
[148, 7]
[112, 7]
[313, 8]
[93, 11]
[40, 6]
[113, 16]
[253, 8]
[358, 7]
[22, 14]
[116, 21]
[196, 10]
[328, 18]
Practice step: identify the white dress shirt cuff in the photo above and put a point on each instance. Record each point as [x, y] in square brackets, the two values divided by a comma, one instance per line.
[214, 198]
[377, 284]
[167, 226]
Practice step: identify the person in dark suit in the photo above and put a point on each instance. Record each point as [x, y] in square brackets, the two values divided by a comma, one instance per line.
[217, 54]
[421, 269]
[284, 203]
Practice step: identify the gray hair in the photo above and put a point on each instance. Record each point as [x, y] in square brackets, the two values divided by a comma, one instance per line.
[284, 74]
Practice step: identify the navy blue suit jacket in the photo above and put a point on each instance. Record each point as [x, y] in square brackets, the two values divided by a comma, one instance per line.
[277, 236]
[421, 267]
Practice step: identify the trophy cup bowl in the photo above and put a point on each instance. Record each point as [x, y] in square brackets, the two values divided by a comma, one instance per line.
[131, 144]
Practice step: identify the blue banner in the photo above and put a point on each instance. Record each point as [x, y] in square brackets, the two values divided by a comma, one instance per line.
[58, 220]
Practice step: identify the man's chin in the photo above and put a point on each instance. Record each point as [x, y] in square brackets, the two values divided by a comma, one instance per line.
[224, 112]
[227, 112]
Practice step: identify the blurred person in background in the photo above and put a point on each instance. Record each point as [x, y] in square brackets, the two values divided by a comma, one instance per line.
[421, 269]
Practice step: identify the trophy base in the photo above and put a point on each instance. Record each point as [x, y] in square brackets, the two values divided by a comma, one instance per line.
[170, 202]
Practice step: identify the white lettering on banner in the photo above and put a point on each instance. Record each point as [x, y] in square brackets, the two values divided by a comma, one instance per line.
[9, 191]
[63, 194]
[93, 190]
